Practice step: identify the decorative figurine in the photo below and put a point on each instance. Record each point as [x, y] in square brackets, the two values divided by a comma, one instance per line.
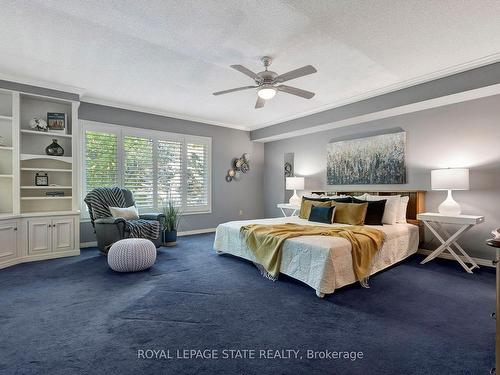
[38, 124]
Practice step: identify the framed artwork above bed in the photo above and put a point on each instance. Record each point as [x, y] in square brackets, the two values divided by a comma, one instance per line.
[379, 159]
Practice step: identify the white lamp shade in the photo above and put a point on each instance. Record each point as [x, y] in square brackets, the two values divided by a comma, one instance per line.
[295, 183]
[450, 179]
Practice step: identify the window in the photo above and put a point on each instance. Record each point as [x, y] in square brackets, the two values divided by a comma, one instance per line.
[154, 165]
[101, 161]
[197, 175]
[138, 169]
[170, 171]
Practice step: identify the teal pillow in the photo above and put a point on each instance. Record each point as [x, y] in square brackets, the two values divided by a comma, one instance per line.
[321, 214]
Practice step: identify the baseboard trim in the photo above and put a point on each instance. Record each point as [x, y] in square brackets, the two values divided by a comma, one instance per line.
[38, 257]
[84, 245]
[196, 231]
[479, 261]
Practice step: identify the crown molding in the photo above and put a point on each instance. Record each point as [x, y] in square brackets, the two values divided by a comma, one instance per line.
[477, 63]
[152, 111]
[42, 84]
[392, 112]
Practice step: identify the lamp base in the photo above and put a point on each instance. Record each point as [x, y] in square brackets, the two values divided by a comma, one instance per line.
[295, 199]
[449, 207]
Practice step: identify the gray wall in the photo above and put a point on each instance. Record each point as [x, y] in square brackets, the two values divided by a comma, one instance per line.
[460, 135]
[227, 198]
[456, 83]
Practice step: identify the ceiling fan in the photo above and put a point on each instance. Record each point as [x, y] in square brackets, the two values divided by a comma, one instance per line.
[268, 83]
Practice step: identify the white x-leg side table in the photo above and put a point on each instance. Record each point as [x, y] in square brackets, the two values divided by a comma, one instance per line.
[435, 222]
[287, 206]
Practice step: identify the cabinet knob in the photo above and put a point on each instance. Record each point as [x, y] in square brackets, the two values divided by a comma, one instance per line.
[15, 228]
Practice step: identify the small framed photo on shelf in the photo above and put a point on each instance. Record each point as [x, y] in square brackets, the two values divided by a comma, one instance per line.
[41, 179]
[56, 121]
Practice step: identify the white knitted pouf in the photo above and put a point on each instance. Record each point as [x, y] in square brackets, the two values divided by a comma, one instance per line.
[132, 255]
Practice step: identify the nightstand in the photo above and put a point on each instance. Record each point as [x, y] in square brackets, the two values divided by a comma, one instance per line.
[287, 206]
[434, 222]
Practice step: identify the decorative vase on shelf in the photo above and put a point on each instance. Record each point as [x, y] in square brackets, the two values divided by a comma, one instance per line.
[54, 149]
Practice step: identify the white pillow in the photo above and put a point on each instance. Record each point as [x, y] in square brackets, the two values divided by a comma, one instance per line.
[362, 196]
[128, 213]
[402, 209]
[391, 211]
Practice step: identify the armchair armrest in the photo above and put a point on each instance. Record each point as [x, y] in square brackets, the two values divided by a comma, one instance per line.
[110, 220]
[152, 216]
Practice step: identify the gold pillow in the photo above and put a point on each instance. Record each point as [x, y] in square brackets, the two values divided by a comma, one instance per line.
[306, 205]
[350, 213]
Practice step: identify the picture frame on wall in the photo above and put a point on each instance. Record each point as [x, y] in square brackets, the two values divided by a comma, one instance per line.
[56, 121]
[379, 159]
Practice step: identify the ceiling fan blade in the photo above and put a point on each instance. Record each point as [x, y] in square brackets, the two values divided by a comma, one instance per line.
[232, 90]
[300, 72]
[295, 91]
[260, 102]
[246, 71]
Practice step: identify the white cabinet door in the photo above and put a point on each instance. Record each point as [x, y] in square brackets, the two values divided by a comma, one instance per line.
[39, 236]
[63, 234]
[8, 240]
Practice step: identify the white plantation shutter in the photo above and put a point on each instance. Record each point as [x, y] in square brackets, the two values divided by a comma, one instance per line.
[101, 160]
[170, 174]
[138, 169]
[154, 165]
[196, 176]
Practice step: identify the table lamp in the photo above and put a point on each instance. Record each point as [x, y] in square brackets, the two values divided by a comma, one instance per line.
[450, 179]
[295, 183]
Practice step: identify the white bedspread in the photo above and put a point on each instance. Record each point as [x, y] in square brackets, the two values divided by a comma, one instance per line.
[322, 262]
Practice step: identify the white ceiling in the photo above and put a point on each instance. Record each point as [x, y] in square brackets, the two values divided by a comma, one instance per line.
[169, 56]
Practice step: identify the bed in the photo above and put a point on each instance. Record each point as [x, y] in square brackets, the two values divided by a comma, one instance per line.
[322, 262]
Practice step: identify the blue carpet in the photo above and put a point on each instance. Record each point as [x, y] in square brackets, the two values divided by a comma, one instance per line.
[76, 316]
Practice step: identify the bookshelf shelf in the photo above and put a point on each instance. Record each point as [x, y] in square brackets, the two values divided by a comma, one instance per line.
[66, 159]
[45, 187]
[46, 170]
[45, 198]
[49, 134]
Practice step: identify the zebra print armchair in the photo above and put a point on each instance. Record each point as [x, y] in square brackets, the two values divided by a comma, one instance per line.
[109, 229]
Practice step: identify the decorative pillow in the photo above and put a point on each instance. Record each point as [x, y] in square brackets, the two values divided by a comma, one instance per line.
[403, 205]
[321, 214]
[128, 213]
[391, 210]
[343, 199]
[305, 207]
[318, 199]
[374, 212]
[350, 213]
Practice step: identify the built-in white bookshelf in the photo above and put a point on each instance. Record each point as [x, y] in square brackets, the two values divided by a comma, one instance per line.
[37, 222]
[33, 159]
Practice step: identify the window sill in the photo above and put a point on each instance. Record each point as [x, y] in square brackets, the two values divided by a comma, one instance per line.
[85, 219]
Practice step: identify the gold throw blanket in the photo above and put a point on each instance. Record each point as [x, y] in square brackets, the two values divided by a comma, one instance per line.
[266, 243]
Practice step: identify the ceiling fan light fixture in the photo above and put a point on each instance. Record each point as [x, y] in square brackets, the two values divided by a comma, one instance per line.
[266, 92]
